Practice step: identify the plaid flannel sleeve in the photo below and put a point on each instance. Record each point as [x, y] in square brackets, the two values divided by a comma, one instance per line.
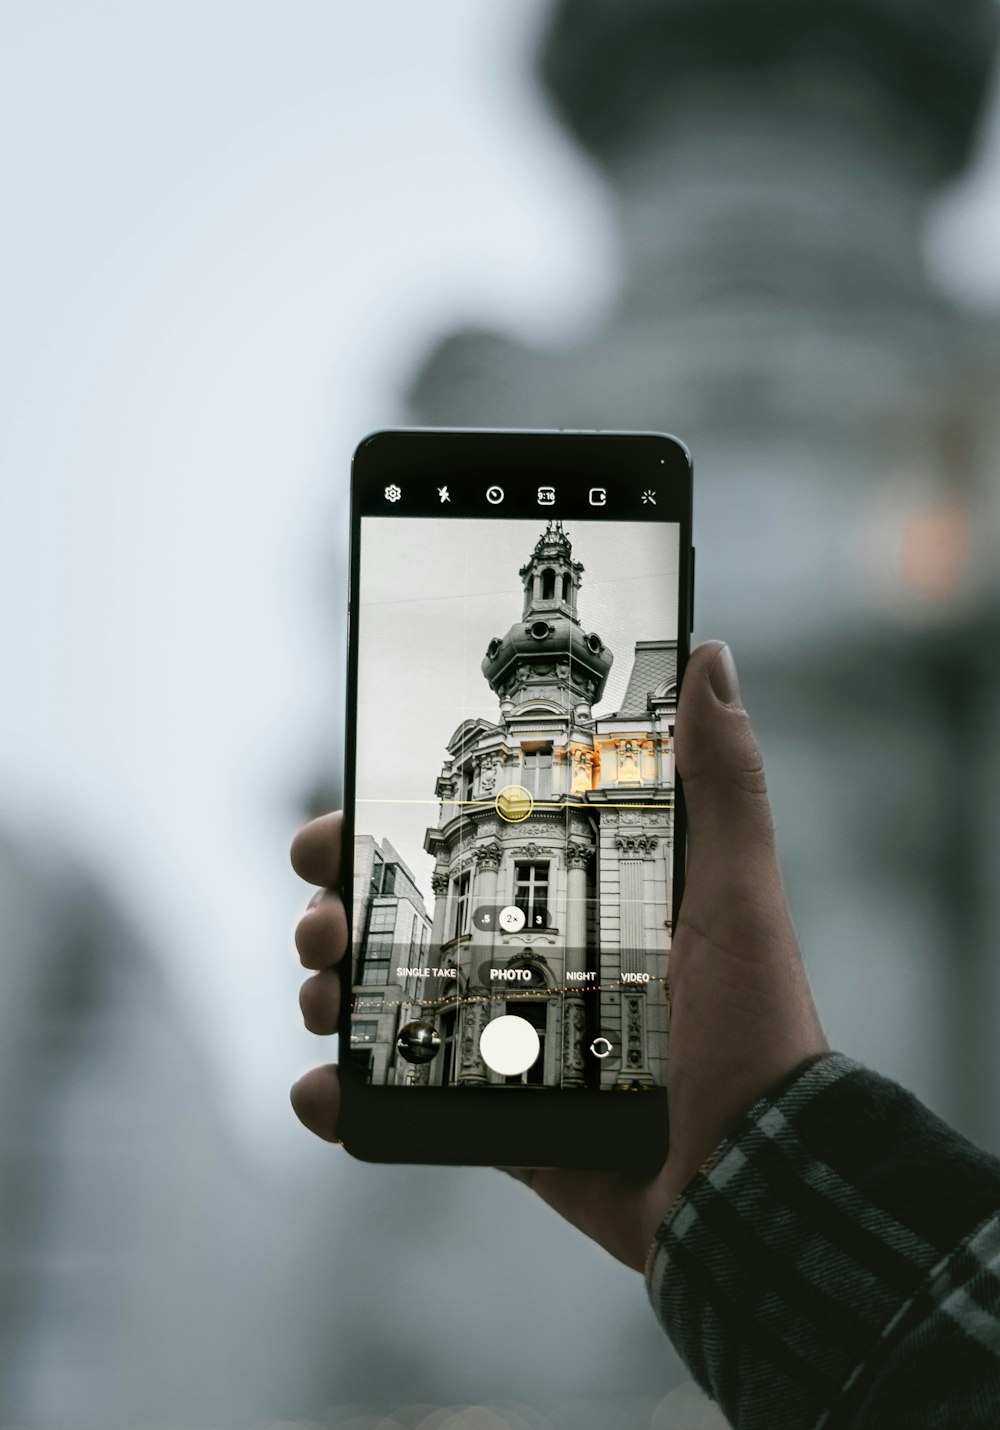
[837, 1263]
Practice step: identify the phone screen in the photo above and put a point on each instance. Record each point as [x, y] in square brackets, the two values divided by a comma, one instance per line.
[513, 791]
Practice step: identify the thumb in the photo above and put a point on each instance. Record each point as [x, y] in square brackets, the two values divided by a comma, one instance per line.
[718, 760]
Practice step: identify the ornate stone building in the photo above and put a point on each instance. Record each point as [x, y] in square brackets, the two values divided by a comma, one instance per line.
[567, 817]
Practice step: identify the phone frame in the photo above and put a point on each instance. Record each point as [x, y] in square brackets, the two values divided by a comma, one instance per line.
[583, 1128]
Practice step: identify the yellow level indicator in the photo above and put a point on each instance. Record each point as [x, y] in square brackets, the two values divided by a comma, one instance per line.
[514, 803]
[571, 803]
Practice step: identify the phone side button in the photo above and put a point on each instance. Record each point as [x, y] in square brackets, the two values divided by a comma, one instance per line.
[691, 594]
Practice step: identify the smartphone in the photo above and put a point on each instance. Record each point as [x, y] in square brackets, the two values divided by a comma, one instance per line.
[520, 609]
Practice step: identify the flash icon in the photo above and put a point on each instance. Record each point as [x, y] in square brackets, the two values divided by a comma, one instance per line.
[443, 494]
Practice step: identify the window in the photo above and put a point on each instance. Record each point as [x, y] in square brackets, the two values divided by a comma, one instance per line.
[378, 951]
[536, 770]
[389, 878]
[377, 874]
[566, 589]
[548, 584]
[535, 1012]
[364, 1030]
[460, 923]
[531, 893]
[381, 918]
[369, 1003]
[467, 781]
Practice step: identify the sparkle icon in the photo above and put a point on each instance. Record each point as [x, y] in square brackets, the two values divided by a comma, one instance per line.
[393, 493]
[649, 498]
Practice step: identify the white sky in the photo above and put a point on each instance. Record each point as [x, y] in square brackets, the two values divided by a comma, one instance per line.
[230, 231]
[433, 595]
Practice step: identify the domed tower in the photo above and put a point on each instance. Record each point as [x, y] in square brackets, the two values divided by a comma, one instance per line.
[546, 658]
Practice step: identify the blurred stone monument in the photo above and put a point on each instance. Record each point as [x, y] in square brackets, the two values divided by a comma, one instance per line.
[772, 165]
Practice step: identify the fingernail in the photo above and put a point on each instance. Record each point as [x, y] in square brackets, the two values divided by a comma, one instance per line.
[723, 678]
[520, 1174]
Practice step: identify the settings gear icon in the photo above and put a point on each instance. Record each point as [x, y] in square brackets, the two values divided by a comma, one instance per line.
[393, 493]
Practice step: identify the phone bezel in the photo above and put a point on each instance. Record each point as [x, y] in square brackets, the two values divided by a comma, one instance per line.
[456, 1126]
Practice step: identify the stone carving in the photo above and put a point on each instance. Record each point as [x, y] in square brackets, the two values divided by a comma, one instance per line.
[583, 769]
[472, 1068]
[533, 851]
[577, 856]
[488, 773]
[628, 761]
[439, 883]
[636, 846]
[633, 1032]
[573, 1033]
[489, 856]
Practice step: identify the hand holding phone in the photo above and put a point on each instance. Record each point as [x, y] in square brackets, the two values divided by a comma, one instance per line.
[742, 1014]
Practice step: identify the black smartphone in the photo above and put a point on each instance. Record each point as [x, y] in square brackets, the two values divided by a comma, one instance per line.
[520, 609]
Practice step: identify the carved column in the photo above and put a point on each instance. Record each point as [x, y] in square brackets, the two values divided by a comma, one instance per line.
[633, 851]
[577, 858]
[575, 959]
[473, 1018]
[439, 888]
[484, 893]
[574, 1026]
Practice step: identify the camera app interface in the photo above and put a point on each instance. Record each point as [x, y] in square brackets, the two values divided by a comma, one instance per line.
[514, 809]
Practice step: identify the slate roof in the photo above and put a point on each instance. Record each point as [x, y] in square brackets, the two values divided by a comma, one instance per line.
[654, 666]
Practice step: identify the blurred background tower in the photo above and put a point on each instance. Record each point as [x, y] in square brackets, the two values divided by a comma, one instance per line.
[772, 164]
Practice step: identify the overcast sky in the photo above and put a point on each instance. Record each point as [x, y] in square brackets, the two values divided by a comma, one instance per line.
[433, 595]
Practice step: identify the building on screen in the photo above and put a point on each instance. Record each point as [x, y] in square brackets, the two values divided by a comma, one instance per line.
[566, 817]
[390, 927]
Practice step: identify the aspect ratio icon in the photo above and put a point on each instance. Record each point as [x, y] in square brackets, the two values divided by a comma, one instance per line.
[546, 496]
[598, 496]
[494, 495]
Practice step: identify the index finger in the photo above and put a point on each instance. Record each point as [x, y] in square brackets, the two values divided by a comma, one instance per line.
[315, 852]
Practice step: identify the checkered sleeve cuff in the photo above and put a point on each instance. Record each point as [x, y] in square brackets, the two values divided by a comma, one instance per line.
[837, 1263]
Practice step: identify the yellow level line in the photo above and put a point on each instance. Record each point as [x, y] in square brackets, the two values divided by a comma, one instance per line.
[538, 804]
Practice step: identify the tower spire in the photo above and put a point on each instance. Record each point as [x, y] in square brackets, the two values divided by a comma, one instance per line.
[546, 656]
[551, 577]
